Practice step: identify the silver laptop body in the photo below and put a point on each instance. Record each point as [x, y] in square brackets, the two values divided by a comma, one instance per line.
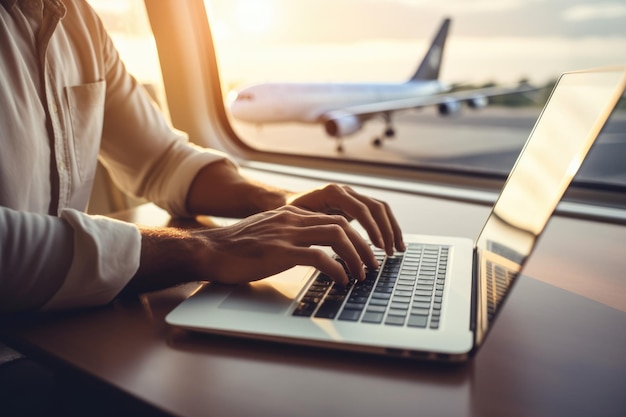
[442, 305]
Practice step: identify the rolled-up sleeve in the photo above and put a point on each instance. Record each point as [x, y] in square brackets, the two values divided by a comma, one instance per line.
[144, 154]
[106, 256]
[74, 260]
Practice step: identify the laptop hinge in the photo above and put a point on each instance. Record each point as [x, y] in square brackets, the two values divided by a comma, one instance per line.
[474, 298]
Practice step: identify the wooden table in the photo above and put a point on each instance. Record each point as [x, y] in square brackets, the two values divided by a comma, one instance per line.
[557, 349]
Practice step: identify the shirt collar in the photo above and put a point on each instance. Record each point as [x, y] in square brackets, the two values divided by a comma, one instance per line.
[8, 4]
[58, 5]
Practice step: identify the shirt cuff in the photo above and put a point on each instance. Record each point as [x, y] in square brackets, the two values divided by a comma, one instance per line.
[106, 256]
[175, 195]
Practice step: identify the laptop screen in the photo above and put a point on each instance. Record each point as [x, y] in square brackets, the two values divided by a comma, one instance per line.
[576, 111]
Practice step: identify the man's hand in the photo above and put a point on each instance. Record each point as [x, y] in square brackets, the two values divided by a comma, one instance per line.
[276, 240]
[254, 248]
[219, 189]
[375, 216]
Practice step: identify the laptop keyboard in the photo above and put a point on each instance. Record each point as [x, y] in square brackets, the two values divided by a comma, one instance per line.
[407, 290]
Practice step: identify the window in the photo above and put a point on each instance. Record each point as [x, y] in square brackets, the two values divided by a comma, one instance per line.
[127, 23]
[287, 47]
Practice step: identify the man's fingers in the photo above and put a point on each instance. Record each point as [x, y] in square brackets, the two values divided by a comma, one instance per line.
[376, 222]
[305, 229]
[385, 220]
[353, 252]
[287, 235]
[375, 216]
[320, 260]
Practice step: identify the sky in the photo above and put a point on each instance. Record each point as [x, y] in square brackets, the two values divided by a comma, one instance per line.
[353, 20]
[384, 40]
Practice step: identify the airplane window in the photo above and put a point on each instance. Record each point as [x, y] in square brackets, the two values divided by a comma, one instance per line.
[129, 28]
[438, 84]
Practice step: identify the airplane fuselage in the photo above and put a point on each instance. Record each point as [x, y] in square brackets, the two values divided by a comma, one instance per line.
[343, 108]
[307, 102]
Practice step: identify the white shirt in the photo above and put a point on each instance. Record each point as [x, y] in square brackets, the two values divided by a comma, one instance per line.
[65, 100]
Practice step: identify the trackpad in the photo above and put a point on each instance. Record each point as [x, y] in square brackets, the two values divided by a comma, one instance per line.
[258, 297]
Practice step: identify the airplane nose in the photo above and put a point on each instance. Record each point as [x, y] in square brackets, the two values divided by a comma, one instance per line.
[231, 97]
[233, 104]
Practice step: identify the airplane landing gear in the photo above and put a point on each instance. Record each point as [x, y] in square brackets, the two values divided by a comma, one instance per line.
[388, 133]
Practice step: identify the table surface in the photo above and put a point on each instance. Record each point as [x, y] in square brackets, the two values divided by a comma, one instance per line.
[557, 348]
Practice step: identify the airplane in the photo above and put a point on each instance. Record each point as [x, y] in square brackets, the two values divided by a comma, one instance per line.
[343, 108]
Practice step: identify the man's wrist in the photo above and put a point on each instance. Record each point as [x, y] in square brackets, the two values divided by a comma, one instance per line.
[220, 190]
[169, 256]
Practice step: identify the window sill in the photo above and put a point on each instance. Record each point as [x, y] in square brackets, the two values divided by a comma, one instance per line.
[567, 208]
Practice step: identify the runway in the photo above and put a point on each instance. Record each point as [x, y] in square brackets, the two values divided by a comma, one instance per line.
[488, 140]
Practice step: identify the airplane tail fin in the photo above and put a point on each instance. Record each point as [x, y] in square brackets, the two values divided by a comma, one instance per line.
[430, 65]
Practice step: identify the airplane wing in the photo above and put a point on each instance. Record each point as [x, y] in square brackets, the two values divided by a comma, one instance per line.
[343, 122]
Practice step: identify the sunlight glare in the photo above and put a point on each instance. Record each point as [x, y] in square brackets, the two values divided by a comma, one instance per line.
[254, 16]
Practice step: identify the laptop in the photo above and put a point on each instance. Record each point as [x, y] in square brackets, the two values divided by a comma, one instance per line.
[437, 300]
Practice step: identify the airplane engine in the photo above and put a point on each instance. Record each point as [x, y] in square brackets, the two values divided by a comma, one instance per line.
[477, 102]
[342, 125]
[449, 108]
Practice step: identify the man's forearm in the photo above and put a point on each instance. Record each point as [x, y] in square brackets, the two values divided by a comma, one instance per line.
[167, 259]
[220, 190]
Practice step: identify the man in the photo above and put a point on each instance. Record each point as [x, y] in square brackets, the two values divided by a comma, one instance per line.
[66, 98]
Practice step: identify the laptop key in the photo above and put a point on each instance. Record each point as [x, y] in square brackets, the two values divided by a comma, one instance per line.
[328, 309]
[395, 320]
[399, 306]
[354, 306]
[417, 321]
[372, 317]
[420, 312]
[381, 295]
[379, 302]
[304, 309]
[376, 309]
[350, 315]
